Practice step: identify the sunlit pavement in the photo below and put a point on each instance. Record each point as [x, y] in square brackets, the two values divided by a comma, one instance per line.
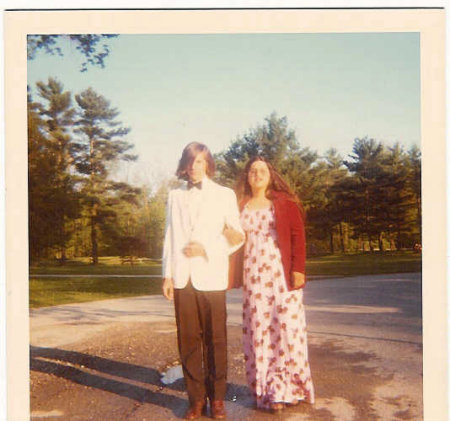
[364, 333]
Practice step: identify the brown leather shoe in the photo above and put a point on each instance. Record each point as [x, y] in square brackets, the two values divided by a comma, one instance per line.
[196, 410]
[218, 410]
[277, 407]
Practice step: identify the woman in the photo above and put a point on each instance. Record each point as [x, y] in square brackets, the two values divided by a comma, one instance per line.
[273, 269]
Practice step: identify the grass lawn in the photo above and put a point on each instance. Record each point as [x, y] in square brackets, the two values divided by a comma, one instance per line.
[106, 266]
[49, 291]
[53, 291]
[364, 263]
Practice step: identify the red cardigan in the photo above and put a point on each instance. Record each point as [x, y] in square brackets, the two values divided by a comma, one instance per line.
[291, 240]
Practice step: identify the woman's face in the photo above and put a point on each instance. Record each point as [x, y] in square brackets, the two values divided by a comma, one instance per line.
[259, 175]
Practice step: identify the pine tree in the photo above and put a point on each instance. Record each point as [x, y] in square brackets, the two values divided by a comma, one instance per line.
[366, 195]
[98, 147]
[58, 113]
[40, 173]
[413, 164]
[325, 213]
[86, 44]
[273, 140]
[398, 198]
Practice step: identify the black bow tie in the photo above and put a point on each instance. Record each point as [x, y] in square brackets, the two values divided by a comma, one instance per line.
[197, 185]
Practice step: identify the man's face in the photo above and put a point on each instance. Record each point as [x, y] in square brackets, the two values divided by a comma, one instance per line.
[197, 170]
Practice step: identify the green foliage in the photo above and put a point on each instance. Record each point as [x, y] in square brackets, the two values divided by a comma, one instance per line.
[371, 200]
[52, 187]
[325, 210]
[73, 200]
[377, 198]
[413, 165]
[272, 140]
[40, 172]
[156, 221]
[99, 145]
[86, 44]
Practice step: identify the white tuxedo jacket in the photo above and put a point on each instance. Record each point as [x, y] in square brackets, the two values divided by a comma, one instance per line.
[218, 207]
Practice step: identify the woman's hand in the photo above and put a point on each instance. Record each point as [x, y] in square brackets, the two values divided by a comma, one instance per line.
[298, 280]
[233, 236]
[168, 288]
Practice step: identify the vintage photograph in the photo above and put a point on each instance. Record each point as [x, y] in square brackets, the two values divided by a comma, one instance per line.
[225, 224]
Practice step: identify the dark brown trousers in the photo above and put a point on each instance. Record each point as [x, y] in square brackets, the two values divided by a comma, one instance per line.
[202, 341]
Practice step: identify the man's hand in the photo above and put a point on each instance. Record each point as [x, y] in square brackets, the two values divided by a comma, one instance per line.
[168, 288]
[298, 279]
[194, 249]
[233, 236]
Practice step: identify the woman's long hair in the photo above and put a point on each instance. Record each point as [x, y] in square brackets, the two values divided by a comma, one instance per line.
[277, 185]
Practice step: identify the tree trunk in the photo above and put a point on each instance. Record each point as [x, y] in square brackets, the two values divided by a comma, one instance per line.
[341, 236]
[419, 218]
[63, 245]
[63, 255]
[331, 241]
[94, 236]
[399, 238]
[380, 241]
[393, 246]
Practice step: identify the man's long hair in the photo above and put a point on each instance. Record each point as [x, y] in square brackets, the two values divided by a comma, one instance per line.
[277, 187]
[188, 156]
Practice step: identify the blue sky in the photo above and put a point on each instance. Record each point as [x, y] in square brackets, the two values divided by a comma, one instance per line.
[173, 89]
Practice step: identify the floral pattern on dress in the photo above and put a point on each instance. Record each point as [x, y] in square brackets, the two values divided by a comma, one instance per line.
[274, 325]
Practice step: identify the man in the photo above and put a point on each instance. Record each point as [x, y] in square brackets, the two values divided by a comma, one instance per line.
[202, 230]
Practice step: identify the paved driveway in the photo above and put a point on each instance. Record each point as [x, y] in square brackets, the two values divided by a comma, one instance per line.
[365, 340]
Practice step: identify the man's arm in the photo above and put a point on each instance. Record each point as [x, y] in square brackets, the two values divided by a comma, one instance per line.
[232, 235]
[167, 286]
[233, 231]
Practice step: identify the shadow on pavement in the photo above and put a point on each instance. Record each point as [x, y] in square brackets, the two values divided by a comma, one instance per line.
[73, 366]
[40, 361]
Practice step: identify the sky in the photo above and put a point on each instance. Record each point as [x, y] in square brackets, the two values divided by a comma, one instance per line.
[174, 89]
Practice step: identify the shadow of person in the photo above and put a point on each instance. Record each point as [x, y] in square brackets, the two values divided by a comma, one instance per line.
[240, 395]
[73, 366]
[104, 365]
[56, 362]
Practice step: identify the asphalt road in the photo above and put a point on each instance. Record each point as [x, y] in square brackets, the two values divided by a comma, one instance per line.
[103, 360]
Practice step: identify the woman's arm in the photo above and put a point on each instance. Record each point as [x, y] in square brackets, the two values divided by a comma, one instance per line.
[298, 246]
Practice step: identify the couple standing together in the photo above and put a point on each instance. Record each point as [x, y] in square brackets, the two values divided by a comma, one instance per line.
[264, 235]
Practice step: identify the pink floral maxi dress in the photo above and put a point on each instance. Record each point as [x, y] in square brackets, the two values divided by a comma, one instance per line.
[274, 326]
